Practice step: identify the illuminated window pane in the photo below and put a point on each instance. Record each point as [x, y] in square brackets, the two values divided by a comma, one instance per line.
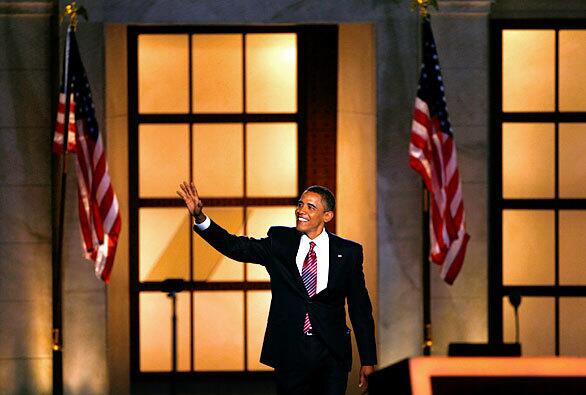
[259, 220]
[572, 234]
[528, 70]
[218, 160]
[271, 159]
[162, 73]
[218, 330]
[164, 243]
[536, 325]
[573, 326]
[572, 161]
[209, 264]
[217, 73]
[155, 332]
[528, 247]
[258, 303]
[528, 160]
[163, 159]
[572, 70]
[271, 73]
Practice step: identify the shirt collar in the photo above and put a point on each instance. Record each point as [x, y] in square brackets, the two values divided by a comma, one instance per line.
[319, 240]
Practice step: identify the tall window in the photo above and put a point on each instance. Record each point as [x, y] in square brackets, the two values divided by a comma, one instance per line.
[237, 111]
[538, 185]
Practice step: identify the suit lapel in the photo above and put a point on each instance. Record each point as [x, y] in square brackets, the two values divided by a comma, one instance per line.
[335, 260]
[292, 246]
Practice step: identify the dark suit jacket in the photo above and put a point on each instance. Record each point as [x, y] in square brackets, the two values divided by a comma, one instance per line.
[290, 301]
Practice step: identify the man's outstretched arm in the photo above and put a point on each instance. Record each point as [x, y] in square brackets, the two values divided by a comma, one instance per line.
[239, 248]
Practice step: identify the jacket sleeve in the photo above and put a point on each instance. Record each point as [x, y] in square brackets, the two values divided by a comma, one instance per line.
[360, 311]
[239, 248]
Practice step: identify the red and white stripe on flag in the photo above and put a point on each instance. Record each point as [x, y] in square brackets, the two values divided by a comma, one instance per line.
[60, 126]
[433, 155]
[98, 208]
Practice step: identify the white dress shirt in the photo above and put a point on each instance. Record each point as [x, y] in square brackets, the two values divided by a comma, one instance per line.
[322, 251]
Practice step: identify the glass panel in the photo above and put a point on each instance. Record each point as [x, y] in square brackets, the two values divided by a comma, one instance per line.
[163, 82]
[163, 243]
[218, 330]
[258, 303]
[209, 264]
[528, 70]
[528, 247]
[155, 332]
[163, 159]
[572, 69]
[573, 326]
[217, 73]
[572, 146]
[271, 73]
[218, 160]
[259, 220]
[271, 159]
[528, 160]
[536, 325]
[572, 234]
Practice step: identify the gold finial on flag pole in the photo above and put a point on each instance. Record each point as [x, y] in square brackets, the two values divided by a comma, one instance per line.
[422, 6]
[72, 11]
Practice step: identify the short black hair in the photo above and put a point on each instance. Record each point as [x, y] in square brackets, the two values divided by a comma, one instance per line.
[327, 196]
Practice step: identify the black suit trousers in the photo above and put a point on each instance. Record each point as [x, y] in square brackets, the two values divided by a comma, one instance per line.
[317, 372]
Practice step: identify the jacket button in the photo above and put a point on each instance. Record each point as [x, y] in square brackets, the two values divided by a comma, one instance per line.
[310, 302]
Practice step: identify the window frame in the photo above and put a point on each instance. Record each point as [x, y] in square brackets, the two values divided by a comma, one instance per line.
[316, 118]
[497, 204]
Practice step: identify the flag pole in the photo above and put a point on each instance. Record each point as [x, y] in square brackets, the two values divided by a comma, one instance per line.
[57, 270]
[425, 244]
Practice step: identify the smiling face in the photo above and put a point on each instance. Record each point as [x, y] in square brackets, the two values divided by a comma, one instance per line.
[311, 214]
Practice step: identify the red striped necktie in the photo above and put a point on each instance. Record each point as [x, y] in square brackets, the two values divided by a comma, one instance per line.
[309, 276]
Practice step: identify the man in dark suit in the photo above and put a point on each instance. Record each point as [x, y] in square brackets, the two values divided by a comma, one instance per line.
[313, 273]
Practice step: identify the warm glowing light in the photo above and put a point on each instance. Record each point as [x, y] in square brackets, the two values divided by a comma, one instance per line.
[164, 243]
[572, 161]
[163, 158]
[258, 303]
[528, 247]
[528, 70]
[572, 70]
[271, 73]
[528, 160]
[155, 332]
[218, 323]
[422, 369]
[163, 73]
[271, 159]
[218, 152]
[572, 255]
[217, 73]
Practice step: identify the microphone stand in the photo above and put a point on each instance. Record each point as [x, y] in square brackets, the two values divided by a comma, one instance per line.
[171, 286]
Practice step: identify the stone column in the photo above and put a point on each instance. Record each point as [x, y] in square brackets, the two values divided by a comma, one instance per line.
[25, 197]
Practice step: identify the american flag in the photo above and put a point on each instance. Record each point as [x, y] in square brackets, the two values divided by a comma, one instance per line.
[99, 215]
[432, 153]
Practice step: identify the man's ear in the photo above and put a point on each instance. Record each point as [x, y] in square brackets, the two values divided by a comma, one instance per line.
[328, 215]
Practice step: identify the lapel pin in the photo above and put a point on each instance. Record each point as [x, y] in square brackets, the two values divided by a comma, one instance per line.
[339, 256]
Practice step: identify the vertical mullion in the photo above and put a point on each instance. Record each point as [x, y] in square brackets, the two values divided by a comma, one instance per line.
[245, 192]
[191, 247]
[557, 196]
